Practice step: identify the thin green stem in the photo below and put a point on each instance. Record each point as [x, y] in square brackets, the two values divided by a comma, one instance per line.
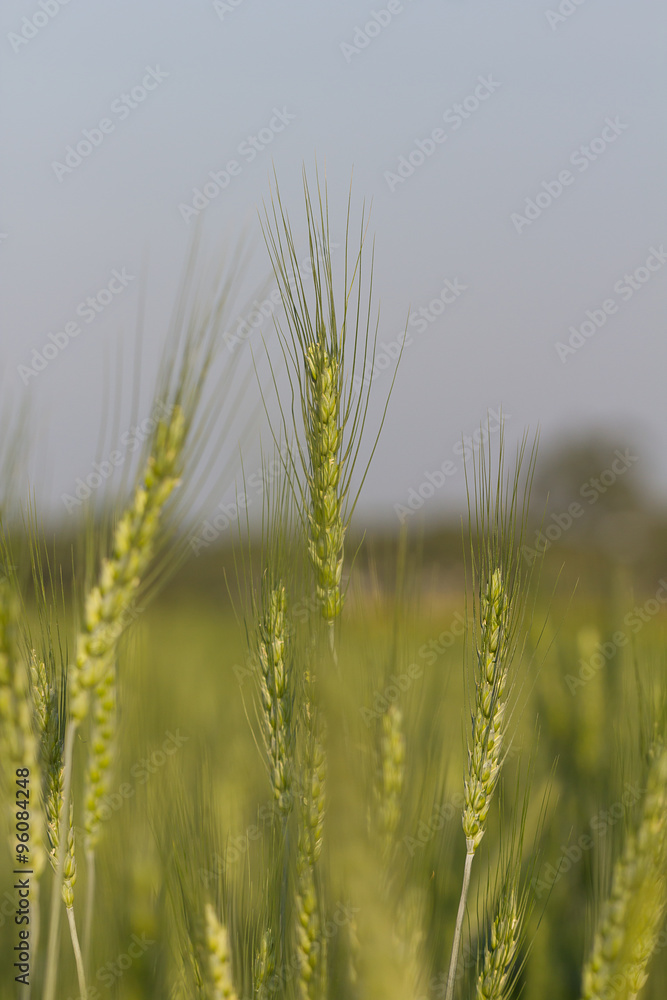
[453, 962]
[56, 896]
[81, 976]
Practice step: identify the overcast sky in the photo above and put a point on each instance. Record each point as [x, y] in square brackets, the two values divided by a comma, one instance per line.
[515, 156]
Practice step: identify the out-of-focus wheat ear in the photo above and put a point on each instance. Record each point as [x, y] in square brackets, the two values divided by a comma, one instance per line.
[107, 603]
[219, 963]
[391, 776]
[310, 943]
[102, 736]
[19, 748]
[408, 939]
[20, 763]
[354, 951]
[632, 915]
[45, 718]
[97, 783]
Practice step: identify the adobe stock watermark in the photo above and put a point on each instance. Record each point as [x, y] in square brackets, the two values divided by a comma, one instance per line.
[87, 310]
[582, 157]
[32, 25]
[634, 622]
[225, 7]
[299, 612]
[141, 772]
[237, 847]
[455, 116]
[247, 150]
[435, 480]
[131, 440]
[591, 491]
[564, 11]
[625, 288]
[418, 322]
[121, 109]
[441, 814]
[364, 34]
[257, 317]
[572, 854]
[398, 684]
[109, 974]
[229, 511]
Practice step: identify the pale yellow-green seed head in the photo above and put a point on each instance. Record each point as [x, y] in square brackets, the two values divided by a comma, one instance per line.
[484, 755]
[218, 957]
[323, 439]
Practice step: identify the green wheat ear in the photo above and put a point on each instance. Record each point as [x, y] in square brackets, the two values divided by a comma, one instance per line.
[270, 633]
[489, 717]
[327, 347]
[276, 695]
[500, 592]
[324, 436]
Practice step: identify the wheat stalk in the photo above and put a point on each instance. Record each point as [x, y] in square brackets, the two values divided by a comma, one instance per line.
[487, 737]
[326, 346]
[391, 776]
[500, 517]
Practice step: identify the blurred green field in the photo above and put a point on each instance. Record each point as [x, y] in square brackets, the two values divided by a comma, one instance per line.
[187, 701]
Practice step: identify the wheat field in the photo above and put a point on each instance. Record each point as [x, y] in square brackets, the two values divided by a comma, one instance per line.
[312, 763]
